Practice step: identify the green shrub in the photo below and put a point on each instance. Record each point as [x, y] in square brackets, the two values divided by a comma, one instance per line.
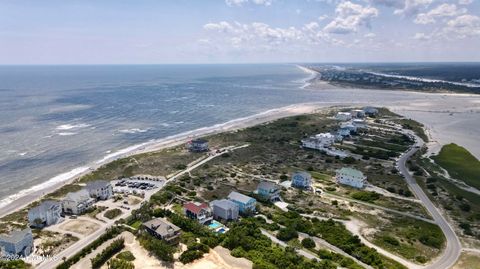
[308, 243]
[126, 255]
[287, 234]
[112, 213]
[107, 253]
[120, 264]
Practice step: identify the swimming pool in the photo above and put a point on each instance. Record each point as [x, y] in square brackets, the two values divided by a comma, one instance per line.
[214, 225]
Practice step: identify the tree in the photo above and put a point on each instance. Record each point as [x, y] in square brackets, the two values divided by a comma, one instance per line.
[308, 243]
[286, 234]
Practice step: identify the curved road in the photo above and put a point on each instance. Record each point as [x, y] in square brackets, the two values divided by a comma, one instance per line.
[453, 249]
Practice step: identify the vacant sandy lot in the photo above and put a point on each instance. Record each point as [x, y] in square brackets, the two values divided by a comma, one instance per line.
[218, 258]
[468, 260]
[79, 226]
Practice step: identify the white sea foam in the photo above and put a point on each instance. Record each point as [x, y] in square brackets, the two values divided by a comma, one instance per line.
[66, 133]
[64, 127]
[133, 131]
[465, 84]
[51, 182]
[306, 81]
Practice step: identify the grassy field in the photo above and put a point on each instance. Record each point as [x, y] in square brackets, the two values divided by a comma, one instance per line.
[460, 164]
[415, 240]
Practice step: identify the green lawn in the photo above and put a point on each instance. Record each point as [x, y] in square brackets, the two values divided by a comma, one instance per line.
[460, 164]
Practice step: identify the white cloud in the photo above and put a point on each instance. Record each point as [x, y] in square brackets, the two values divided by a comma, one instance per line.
[349, 17]
[239, 3]
[322, 17]
[404, 7]
[463, 26]
[370, 35]
[412, 7]
[421, 36]
[465, 2]
[222, 26]
[443, 10]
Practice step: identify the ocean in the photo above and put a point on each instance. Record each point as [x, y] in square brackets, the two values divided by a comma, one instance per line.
[56, 121]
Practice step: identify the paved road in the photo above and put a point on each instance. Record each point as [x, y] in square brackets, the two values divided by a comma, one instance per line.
[453, 248]
[85, 241]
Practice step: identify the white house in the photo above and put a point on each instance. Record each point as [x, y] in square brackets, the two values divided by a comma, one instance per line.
[343, 116]
[343, 132]
[357, 113]
[46, 214]
[351, 177]
[359, 123]
[77, 202]
[100, 189]
[349, 126]
[319, 141]
[370, 111]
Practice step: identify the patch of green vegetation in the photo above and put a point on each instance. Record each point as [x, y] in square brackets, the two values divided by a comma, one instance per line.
[460, 164]
[246, 240]
[366, 196]
[126, 255]
[107, 253]
[136, 224]
[415, 126]
[120, 264]
[112, 213]
[392, 244]
[14, 264]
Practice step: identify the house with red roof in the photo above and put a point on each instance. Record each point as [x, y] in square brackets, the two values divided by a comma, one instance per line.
[198, 211]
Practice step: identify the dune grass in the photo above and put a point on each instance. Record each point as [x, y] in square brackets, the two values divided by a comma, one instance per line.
[460, 164]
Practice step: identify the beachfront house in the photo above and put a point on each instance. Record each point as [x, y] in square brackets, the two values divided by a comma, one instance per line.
[301, 180]
[319, 141]
[198, 145]
[224, 209]
[351, 177]
[359, 123]
[200, 212]
[77, 202]
[45, 214]
[349, 125]
[357, 113]
[268, 191]
[343, 132]
[163, 230]
[370, 111]
[18, 243]
[100, 189]
[246, 204]
[343, 116]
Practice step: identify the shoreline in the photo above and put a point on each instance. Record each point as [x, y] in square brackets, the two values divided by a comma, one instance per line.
[22, 199]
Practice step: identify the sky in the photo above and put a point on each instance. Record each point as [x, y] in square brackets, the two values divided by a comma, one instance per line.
[237, 31]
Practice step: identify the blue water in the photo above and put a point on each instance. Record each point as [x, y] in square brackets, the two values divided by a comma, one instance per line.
[56, 118]
[214, 225]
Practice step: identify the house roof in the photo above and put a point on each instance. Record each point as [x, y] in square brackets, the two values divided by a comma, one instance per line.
[239, 197]
[195, 207]
[78, 196]
[303, 174]
[224, 204]
[45, 206]
[97, 184]
[16, 236]
[161, 226]
[267, 185]
[199, 141]
[351, 172]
